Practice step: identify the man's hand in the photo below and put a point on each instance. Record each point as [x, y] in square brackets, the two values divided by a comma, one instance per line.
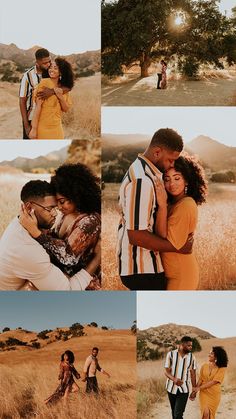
[32, 134]
[29, 222]
[192, 396]
[178, 381]
[45, 93]
[58, 92]
[27, 129]
[188, 247]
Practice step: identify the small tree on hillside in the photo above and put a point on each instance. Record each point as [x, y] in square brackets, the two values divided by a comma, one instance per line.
[93, 324]
[6, 329]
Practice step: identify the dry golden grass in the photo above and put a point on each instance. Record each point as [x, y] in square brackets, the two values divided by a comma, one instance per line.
[27, 378]
[10, 187]
[81, 122]
[151, 381]
[215, 239]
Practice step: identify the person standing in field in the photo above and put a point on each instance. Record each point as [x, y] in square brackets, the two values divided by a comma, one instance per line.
[180, 367]
[140, 264]
[29, 81]
[90, 368]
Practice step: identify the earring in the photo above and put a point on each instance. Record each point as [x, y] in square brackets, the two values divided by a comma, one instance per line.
[59, 77]
[186, 189]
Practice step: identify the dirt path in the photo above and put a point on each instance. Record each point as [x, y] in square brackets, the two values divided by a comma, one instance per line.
[143, 92]
[226, 409]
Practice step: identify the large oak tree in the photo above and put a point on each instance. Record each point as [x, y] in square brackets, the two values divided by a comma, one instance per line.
[137, 31]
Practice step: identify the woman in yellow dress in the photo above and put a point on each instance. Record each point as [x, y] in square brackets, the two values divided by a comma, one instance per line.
[209, 383]
[47, 118]
[185, 189]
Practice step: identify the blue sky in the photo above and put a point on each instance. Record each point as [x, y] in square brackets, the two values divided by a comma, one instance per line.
[47, 310]
[212, 311]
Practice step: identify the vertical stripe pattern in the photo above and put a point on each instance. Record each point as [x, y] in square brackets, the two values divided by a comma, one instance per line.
[180, 368]
[138, 205]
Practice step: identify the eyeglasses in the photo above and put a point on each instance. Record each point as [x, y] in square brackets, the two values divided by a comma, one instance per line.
[48, 209]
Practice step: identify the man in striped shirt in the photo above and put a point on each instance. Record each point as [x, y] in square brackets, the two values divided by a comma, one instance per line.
[140, 264]
[29, 81]
[180, 367]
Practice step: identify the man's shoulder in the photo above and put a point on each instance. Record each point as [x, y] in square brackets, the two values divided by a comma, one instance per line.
[28, 71]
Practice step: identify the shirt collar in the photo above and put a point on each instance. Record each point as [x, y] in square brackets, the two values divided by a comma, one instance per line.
[152, 167]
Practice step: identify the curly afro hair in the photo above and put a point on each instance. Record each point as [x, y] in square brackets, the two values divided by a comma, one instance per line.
[221, 356]
[77, 183]
[70, 355]
[193, 174]
[66, 72]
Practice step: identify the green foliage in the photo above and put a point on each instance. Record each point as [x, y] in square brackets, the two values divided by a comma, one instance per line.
[224, 177]
[149, 33]
[134, 327]
[43, 334]
[36, 345]
[76, 329]
[6, 329]
[14, 342]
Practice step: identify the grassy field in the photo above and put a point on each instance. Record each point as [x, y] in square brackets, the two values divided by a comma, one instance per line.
[215, 238]
[152, 399]
[29, 377]
[82, 121]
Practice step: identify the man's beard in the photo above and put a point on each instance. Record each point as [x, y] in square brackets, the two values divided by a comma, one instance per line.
[45, 74]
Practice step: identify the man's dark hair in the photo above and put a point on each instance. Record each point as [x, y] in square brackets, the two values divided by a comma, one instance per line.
[186, 339]
[167, 138]
[95, 349]
[41, 53]
[36, 189]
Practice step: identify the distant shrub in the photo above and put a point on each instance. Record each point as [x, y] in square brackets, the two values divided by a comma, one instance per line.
[43, 334]
[104, 328]
[85, 73]
[2, 345]
[6, 329]
[93, 324]
[36, 345]
[223, 177]
[15, 342]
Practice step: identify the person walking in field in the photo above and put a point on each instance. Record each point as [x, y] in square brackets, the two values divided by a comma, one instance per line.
[90, 368]
[180, 366]
[209, 384]
[66, 376]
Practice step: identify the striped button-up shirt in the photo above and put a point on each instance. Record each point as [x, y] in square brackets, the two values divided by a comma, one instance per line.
[138, 208]
[180, 368]
[28, 83]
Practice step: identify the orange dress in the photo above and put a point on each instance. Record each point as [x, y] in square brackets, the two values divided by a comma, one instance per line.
[181, 271]
[210, 397]
[50, 120]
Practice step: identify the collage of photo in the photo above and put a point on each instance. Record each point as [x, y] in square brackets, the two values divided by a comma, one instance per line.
[118, 174]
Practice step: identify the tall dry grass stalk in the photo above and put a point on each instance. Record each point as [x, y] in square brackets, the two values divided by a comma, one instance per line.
[24, 388]
[82, 121]
[215, 238]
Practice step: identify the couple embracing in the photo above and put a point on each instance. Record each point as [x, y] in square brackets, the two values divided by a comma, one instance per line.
[158, 199]
[180, 369]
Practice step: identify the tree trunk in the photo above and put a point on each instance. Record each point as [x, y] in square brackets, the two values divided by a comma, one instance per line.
[145, 63]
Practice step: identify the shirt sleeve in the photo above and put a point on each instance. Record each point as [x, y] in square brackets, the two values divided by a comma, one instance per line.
[37, 268]
[86, 365]
[139, 201]
[219, 376]
[24, 86]
[179, 223]
[168, 361]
